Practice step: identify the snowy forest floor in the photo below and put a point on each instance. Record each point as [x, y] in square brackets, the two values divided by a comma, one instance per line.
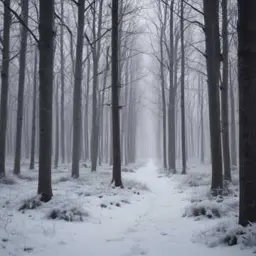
[153, 215]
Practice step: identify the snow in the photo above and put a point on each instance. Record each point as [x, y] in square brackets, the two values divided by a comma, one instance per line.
[145, 218]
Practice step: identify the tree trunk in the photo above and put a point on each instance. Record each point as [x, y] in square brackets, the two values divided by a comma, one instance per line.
[233, 144]
[46, 47]
[201, 93]
[95, 110]
[182, 89]
[224, 95]
[62, 75]
[164, 138]
[5, 85]
[247, 105]
[117, 179]
[56, 159]
[171, 105]
[77, 92]
[211, 16]
[22, 61]
[33, 128]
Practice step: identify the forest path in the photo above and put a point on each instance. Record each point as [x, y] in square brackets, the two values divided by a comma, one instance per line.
[161, 230]
[152, 226]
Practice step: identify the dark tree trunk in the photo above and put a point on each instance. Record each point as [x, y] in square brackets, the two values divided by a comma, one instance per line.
[171, 105]
[56, 159]
[117, 179]
[33, 128]
[46, 47]
[62, 67]
[247, 105]
[22, 61]
[86, 124]
[211, 16]
[77, 124]
[182, 89]
[224, 95]
[5, 85]
[95, 110]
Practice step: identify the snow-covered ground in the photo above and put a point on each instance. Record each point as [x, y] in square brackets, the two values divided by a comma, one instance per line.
[145, 218]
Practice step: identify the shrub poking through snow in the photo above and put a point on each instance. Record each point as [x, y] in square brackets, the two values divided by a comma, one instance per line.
[127, 169]
[31, 203]
[207, 209]
[136, 185]
[73, 214]
[228, 233]
[8, 181]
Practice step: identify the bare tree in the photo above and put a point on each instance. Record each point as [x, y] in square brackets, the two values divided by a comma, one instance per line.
[211, 17]
[117, 180]
[22, 62]
[77, 92]
[224, 94]
[33, 128]
[46, 48]
[4, 85]
[247, 103]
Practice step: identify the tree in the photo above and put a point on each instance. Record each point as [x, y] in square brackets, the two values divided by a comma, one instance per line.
[182, 88]
[33, 128]
[172, 97]
[117, 179]
[4, 85]
[77, 92]
[212, 43]
[224, 94]
[247, 103]
[22, 61]
[46, 49]
[62, 67]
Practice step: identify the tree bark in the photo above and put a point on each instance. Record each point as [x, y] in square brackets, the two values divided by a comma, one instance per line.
[62, 75]
[247, 105]
[5, 86]
[56, 159]
[33, 128]
[182, 100]
[22, 61]
[233, 141]
[172, 97]
[77, 124]
[224, 95]
[211, 17]
[46, 47]
[117, 179]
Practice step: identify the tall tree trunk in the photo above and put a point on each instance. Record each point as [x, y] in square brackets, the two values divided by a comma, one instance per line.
[211, 16]
[247, 105]
[77, 125]
[33, 128]
[182, 89]
[233, 144]
[86, 121]
[46, 47]
[201, 93]
[171, 105]
[95, 110]
[5, 85]
[56, 159]
[22, 61]
[224, 95]
[62, 75]
[164, 138]
[117, 179]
